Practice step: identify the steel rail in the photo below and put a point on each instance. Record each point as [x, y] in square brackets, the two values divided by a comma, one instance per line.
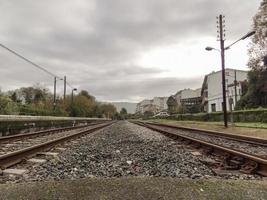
[241, 138]
[13, 158]
[37, 133]
[262, 163]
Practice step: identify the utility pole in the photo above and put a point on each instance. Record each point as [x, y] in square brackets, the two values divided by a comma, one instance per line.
[72, 91]
[235, 89]
[55, 91]
[222, 38]
[71, 97]
[65, 82]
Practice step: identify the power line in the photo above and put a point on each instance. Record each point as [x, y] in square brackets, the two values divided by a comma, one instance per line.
[27, 60]
[69, 85]
[34, 64]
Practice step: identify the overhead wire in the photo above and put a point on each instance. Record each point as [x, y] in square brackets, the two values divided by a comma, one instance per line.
[34, 64]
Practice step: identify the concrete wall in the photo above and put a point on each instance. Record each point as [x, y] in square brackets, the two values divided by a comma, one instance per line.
[214, 82]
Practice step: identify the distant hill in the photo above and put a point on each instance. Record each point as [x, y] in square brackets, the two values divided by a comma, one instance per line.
[130, 107]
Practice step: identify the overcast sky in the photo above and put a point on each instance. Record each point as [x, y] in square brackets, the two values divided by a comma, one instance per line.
[120, 50]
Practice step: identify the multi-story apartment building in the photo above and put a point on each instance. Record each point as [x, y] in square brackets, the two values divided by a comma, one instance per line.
[184, 100]
[211, 91]
[154, 105]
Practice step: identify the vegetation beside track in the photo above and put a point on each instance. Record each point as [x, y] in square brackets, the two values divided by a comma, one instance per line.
[252, 115]
[38, 101]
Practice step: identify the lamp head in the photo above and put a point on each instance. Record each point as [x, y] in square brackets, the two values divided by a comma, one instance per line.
[209, 48]
[248, 35]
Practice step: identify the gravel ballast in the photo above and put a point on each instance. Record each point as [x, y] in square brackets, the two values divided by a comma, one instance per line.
[122, 149]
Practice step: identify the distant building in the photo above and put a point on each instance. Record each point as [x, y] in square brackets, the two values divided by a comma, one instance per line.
[191, 98]
[154, 105]
[211, 91]
[184, 101]
[142, 106]
[172, 104]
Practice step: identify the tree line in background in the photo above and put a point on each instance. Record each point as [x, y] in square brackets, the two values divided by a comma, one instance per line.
[38, 100]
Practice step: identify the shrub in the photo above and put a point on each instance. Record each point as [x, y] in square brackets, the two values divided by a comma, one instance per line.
[255, 115]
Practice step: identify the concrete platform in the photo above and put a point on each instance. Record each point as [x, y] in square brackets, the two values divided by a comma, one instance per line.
[137, 188]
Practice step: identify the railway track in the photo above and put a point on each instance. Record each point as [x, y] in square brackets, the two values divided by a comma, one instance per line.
[19, 148]
[246, 154]
[10, 138]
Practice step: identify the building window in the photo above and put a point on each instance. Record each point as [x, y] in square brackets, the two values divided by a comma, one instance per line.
[213, 107]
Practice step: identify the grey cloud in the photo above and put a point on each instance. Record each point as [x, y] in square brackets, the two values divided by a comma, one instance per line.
[97, 39]
[135, 90]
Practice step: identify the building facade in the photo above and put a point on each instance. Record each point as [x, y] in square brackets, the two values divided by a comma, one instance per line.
[184, 101]
[154, 105]
[212, 97]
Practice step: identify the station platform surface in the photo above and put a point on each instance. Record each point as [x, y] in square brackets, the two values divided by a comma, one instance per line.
[136, 188]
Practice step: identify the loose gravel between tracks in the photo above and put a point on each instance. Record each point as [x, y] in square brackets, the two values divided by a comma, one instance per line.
[122, 149]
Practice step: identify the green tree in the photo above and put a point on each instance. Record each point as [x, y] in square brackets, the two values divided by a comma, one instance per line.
[117, 116]
[34, 94]
[123, 113]
[172, 105]
[108, 110]
[13, 97]
[87, 95]
[256, 94]
[7, 106]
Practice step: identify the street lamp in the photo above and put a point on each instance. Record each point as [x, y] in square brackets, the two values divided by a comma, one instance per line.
[55, 91]
[211, 48]
[74, 89]
[222, 51]
[242, 38]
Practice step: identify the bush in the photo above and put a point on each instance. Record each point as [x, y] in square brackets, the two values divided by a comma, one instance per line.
[256, 115]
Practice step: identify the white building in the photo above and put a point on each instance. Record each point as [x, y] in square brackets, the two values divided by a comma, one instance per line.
[155, 105]
[212, 89]
[184, 100]
[140, 107]
[160, 102]
[189, 93]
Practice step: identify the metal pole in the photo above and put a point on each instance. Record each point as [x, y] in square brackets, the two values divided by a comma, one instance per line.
[65, 82]
[55, 91]
[71, 96]
[235, 89]
[223, 69]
